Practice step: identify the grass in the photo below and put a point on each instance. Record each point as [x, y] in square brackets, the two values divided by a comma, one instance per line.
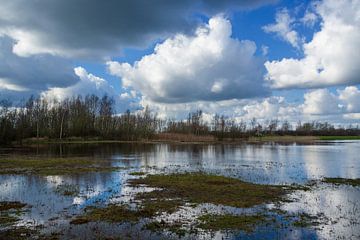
[51, 166]
[285, 139]
[204, 188]
[9, 212]
[343, 181]
[68, 190]
[4, 205]
[110, 213]
[339, 137]
[160, 226]
[122, 213]
[245, 223]
[19, 233]
[305, 220]
[137, 173]
[177, 189]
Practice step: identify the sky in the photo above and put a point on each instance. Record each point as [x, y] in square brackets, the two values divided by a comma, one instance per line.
[264, 59]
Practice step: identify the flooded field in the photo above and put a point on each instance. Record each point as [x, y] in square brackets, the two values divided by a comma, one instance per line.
[220, 191]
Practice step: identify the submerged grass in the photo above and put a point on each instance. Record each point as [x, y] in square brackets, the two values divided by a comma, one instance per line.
[137, 173]
[245, 223]
[9, 212]
[204, 188]
[4, 205]
[19, 233]
[343, 181]
[67, 190]
[174, 227]
[179, 189]
[123, 213]
[306, 220]
[51, 166]
[110, 213]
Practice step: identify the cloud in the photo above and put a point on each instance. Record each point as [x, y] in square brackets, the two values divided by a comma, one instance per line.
[323, 102]
[209, 66]
[309, 19]
[90, 84]
[236, 109]
[20, 77]
[330, 58]
[351, 97]
[283, 28]
[319, 105]
[84, 28]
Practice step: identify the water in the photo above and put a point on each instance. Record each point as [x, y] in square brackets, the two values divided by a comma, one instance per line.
[258, 163]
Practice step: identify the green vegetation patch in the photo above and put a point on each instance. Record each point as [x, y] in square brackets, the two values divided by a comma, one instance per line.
[122, 213]
[67, 190]
[9, 212]
[7, 219]
[204, 188]
[339, 137]
[284, 139]
[343, 181]
[137, 173]
[110, 213]
[174, 227]
[19, 233]
[51, 166]
[245, 223]
[304, 220]
[4, 205]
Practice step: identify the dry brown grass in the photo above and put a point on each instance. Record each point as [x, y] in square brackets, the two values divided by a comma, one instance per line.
[181, 137]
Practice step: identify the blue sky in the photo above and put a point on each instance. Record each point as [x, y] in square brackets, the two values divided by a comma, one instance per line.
[290, 60]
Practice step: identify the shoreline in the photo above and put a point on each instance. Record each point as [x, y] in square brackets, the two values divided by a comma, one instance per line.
[288, 139]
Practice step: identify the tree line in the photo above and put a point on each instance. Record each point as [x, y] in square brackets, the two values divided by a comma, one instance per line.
[92, 116]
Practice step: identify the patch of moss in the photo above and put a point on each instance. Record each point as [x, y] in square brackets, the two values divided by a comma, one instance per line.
[137, 173]
[7, 219]
[122, 213]
[80, 220]
[4, 205]
[204, 188]
[160, 226]
[9, 212]
[51, 166]
[306, 220]
[110, 213]
[230, 222]
[343, 181]
[152, 207]
[67, 190]
[19, 233]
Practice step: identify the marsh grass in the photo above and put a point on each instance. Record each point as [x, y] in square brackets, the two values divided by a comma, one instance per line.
[52, 166]
[137, 173]
[174, 227]
[201, 188]
[343, 181]
[110, 213]
[245, 223]
[177, 190]
[67, 190]
[10, 211]
[339, 137]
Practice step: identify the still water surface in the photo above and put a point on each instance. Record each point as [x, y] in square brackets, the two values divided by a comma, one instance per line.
[258, 163]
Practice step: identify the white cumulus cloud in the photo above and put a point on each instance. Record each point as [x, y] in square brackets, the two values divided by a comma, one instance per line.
[284, 28]
[323, 102]
[90, 84]
[208, 66]
[331, 57]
